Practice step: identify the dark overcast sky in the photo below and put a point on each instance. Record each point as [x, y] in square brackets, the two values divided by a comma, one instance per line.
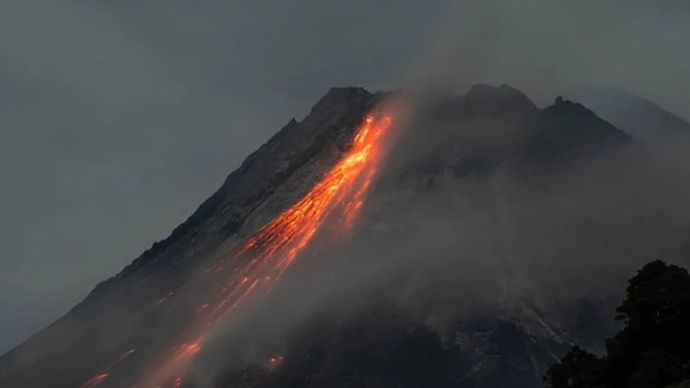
[118, 117]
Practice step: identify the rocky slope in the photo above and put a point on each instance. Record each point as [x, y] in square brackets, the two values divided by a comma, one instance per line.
[114, 315]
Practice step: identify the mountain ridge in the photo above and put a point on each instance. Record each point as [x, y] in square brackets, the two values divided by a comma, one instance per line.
[636, 115]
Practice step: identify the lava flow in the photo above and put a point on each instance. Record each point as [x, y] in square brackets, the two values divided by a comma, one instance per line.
[260, 261]
[101, 377]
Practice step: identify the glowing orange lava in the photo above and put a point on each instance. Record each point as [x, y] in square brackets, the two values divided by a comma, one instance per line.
[260, 261]
[275, 362]
[272, 249]
[101, 377]
[95, 381]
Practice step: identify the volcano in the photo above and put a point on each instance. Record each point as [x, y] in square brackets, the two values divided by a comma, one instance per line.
[384, 240]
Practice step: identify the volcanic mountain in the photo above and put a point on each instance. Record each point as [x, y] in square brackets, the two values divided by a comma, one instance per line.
[383, 240]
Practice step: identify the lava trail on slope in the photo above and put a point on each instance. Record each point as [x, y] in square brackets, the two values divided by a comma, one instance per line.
[259, 262]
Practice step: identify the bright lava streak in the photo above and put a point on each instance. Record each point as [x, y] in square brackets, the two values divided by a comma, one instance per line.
[95, 381]
[101, 377]
[272, 249]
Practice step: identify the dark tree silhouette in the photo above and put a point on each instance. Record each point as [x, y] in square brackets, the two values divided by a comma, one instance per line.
[653, 348]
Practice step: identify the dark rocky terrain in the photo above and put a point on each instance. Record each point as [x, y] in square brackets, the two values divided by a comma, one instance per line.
[490, 243]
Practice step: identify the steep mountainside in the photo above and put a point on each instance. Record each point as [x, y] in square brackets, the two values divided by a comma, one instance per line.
[115, 314]
[473, 263]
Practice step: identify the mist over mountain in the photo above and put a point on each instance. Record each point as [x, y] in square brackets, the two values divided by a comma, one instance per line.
[494, 235]
[636, 115]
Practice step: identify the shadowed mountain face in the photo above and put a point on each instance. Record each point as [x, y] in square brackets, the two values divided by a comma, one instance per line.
[488, 244]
